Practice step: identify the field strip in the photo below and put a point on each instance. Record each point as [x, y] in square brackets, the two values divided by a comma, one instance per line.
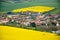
[34, 9]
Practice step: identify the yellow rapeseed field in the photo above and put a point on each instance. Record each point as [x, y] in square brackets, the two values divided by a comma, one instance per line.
[34, 8]
[11, 33]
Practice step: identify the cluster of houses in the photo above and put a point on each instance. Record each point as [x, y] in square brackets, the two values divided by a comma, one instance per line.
[3, 20]
[33, 19]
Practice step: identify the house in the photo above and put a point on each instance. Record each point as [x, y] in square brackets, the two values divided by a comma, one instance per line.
[4, 20]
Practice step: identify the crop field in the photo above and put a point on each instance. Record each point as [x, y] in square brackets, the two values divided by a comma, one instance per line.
[7, 6]
[35, 9]
[11, 33]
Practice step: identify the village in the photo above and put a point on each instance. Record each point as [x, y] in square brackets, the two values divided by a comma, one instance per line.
[28, 19]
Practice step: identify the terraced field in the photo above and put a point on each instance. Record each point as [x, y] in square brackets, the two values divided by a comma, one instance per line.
[11, 33]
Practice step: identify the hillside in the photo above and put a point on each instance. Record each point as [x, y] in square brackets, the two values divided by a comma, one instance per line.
[8, 6]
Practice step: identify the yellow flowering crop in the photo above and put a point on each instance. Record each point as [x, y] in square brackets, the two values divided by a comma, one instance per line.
[11, 33]
[35, 9]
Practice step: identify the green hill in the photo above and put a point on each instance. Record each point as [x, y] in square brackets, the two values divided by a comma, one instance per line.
[8, 6]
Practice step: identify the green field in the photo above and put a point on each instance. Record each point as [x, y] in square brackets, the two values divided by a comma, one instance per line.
[8, 6]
